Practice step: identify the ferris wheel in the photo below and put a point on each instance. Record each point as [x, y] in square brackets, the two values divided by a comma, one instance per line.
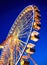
[16, 47]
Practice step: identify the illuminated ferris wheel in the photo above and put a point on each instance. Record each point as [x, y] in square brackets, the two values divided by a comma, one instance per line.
[19, 44]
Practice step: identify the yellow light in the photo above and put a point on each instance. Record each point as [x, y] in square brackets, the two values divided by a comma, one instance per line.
[22, 62]
[29, 52]
[34, 39]
[1, 46]
[34, 33]
[24, 12]
[30, 45]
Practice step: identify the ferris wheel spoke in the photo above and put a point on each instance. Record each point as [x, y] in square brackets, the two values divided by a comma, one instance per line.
[22, 42]
[24, 33]
[24, 37]
[23, 20]
[25, 17]
[27, 27]
[20, 52]
[27, 21]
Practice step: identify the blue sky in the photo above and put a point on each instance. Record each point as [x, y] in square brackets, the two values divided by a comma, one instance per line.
[10, 9]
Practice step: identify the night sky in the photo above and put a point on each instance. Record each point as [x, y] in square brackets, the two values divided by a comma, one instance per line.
[10, 9]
